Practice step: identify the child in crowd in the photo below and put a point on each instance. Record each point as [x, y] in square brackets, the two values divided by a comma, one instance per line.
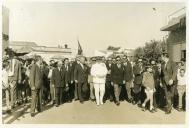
[149, 84]
[181, 87]
[5, 84]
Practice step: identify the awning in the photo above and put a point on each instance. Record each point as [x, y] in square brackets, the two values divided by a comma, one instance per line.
[25, 49]
[175, 23]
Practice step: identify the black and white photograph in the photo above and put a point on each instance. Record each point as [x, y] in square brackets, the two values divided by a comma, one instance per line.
[107, 63]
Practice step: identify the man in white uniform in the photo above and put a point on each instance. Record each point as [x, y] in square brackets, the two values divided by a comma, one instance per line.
[99, 72]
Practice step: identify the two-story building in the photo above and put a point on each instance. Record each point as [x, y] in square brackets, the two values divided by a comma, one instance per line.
[176, 40]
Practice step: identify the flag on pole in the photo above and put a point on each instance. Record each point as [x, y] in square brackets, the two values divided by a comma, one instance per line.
[80, 51]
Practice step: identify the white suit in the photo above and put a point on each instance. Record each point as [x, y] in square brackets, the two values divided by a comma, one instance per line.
[99, 72]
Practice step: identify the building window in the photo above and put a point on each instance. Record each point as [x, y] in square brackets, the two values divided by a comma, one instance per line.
[183, 54]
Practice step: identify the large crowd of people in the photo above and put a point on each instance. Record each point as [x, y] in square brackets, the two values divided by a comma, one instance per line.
[151, 85]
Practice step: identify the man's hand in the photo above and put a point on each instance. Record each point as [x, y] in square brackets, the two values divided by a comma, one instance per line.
[76, 81]
[66, 85]
[147, 88]
[11, 85]
[112, 83]
[19, 81]
[32, 88]
[161, 85]
[170, 82]
[124, 82]
[52, 85]
[71, 81]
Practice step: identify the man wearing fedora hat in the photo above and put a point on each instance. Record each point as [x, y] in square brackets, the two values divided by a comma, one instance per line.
[90, 79]
[109, 93]
[117, 78]
[137, 71]
[81, 72]
[169, 73]
[14, 77]
[128, 78]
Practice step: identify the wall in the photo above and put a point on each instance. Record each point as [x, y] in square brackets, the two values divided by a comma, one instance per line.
[5, 28]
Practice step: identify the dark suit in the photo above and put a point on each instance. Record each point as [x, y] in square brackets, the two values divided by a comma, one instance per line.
[109, 93]
[159, 99]
[14, 79]
[67, 76]
[46, 84]
[117, 74]
[117, 77]
[137, 71]
[81, 75]
[36, 80]
[75, 84]
[57, 81]
[128, 77]
[169, 72]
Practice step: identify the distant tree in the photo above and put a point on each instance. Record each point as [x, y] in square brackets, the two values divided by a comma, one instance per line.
[151, 49]
[139, 52]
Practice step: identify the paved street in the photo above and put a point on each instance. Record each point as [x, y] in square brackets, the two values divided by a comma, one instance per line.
[109, 113]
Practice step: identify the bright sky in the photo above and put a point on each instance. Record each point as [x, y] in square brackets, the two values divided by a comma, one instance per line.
[97, 25]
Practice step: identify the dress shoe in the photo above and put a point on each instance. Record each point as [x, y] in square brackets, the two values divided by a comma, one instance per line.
[168, 112]
[139, 104]
[81, 102]
[56, 105]
[152, 111]
[39, 110]
[69, 101]
[133, 102]
[32, 114]
[129, 101]
[143, 109]
[117, 103]
[179, 109]
[9, 111]
[155, 110]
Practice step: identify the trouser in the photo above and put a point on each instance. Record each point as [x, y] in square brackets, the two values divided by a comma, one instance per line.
[117, 91]
[128, 89]
[7, 97]
[92, 91]
[181, 90]
[137, 92]
[36, 100]
[46, 90]
[52, 90]
[58, 95]
[76, 91]
[149, 97]
[19, 89]
[99, 92]
[137, 96]
[71, 91]
[109, 93]
[13, 92]
[80, 92]
[169, 94]
[69, 94]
